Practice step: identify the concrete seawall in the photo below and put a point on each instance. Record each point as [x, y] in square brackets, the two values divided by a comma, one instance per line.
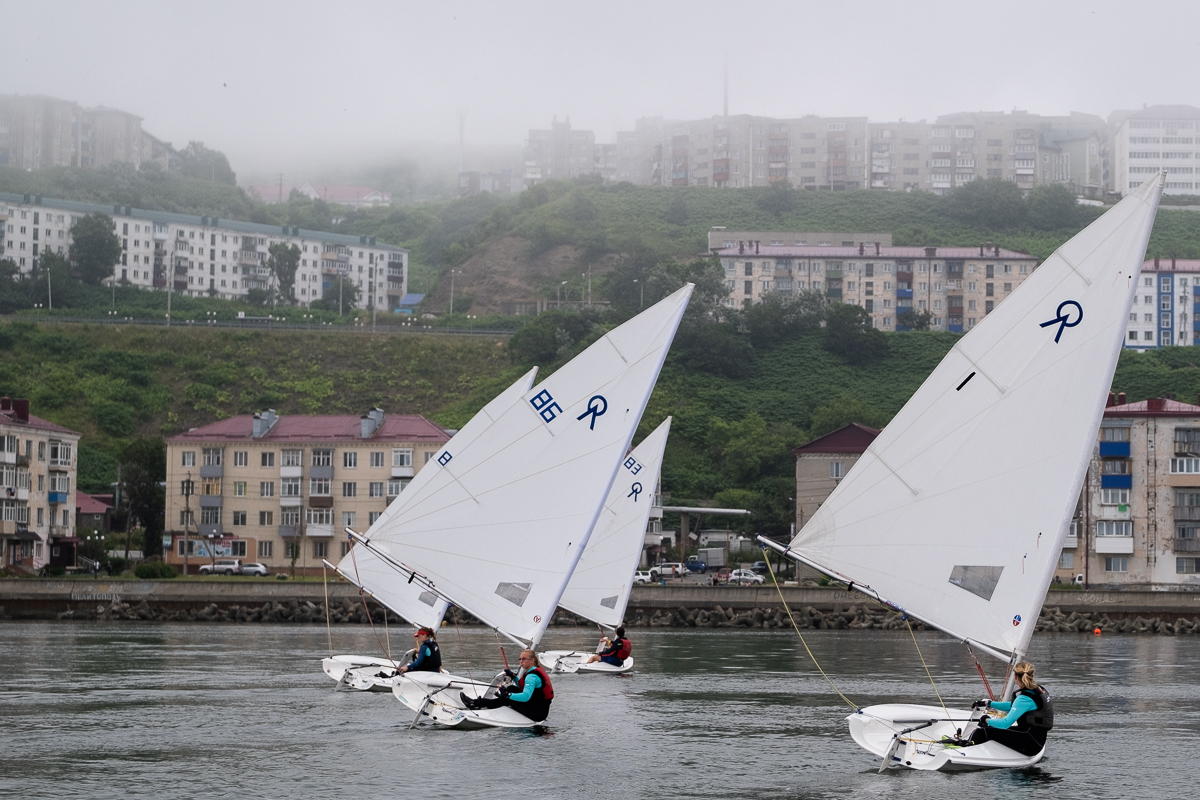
[42, 598]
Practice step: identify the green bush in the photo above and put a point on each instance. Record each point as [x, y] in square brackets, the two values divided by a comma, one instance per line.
[149, 570]
[55, 572]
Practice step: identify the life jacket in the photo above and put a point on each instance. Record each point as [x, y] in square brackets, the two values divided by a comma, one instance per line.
[537, 707]
[432, 662]
[624, 648]
[1040, 718]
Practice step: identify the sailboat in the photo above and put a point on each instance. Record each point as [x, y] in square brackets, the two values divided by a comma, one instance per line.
[600, 586]
[957, 512]
[374, 576]
[503, 519]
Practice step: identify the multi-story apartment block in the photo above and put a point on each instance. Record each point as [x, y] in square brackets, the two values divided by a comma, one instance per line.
[280, 489]
[37, 477]
[720, 237]
[822, 463]
[37, 132]
[1166, 305]
[559, 152]
[958, 286]
[1153, 139]
[1138, 520]
[207, 256]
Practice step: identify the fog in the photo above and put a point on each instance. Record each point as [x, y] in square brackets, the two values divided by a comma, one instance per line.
[289, 86]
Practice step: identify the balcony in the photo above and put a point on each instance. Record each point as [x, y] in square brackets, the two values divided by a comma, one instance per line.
[1118, 545]
[1188, 513]
[1119, 482]
[290, 472]
[210, 500]
[212, 471]
[247, 259]
[21, 530]
[1070, 543]
[833, 294]
[160, 283]
[58, 498]
[904, 293]
[210, 530]
[402, 472]
[160, 236]
[181, 286]
[320, 501]
[290, 502]
[20, 493]
[289, 531]
[1114, 449]
[319, 531]
[833, 274]
[321, 472]
[1187, 545]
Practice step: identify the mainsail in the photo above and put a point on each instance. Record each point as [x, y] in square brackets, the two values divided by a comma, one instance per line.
[503, 519]
[365, 569]
[600, 586]
[957, 512]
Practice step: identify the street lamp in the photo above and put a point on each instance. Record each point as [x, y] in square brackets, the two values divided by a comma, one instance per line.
[641, 292]
[558, 294]
[452, 273]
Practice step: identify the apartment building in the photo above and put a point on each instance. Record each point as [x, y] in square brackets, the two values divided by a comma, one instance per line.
[559, 151]
[958, 286]
[38, 131]
[1153, 139]
[1138, 520]
[720, 237]
[822, 463]
[38, 467]
[281, 489]
[1166, 304]
[202, 256]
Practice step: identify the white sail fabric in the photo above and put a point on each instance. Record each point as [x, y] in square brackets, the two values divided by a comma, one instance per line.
[599, 587]
[958, 510]
[500, 525]
[385, 583]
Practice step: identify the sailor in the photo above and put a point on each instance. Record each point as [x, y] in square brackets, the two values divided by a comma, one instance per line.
[531, 696]
[1030, 716]
[617, 651]
[426, 655]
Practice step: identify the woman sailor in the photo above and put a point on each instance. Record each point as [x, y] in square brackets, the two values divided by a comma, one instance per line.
[1030, 716]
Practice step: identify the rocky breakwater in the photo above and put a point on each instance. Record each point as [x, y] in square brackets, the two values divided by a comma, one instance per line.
[1055, 621]
[856, 617]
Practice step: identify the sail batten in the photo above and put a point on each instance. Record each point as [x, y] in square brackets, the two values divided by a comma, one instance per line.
[958, 510]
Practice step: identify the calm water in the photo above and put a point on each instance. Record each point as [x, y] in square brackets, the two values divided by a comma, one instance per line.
[172, 711]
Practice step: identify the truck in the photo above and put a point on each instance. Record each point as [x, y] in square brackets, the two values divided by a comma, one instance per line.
[714, 557]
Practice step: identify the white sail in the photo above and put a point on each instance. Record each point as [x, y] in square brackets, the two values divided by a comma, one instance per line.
[599, 587]
[502, 522]
[958, 510]
[385, 583]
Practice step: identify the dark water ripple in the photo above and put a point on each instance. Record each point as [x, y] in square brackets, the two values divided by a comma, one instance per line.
[127, 710]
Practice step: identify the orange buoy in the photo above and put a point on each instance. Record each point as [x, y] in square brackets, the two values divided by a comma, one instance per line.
[1096, 632]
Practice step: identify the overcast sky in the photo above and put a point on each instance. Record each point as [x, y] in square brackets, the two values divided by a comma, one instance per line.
[274, 84]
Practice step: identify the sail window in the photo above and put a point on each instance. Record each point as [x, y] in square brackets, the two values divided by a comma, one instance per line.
[609, 602]
[514, 593]
[428, 598]
[979, 581]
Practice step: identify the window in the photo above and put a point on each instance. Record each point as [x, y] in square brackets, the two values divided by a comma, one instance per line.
[1066, 560]
[237, 549]
[266, 518]
[241, 458]
[395, 486]
[348, 519]
[350, 460]
[376, 489]
[1114, 497]
[291, 458]
[239, 518]
[1186, 566]
[187, 519]
[210, 516]
[1115, 466]
[349, 489]
[186, 488]
[837, 469]
[264, 549]
[377, 458]
[267, 459]
[1115, 434]
[212, 457]
[322, 458]
[266, 489]
[318, 516]
[1185, 466]
[289, 487]
[346, 548]
[320, 549]
[374, 515]
[1116, 564]
[289, 517]
[189, 456]
[1114, 527]
[402, 458]
[210, 486]
[291, 549]
[239, 488]
[319, 487]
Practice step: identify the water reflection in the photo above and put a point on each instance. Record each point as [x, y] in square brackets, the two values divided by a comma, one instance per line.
[123, 709]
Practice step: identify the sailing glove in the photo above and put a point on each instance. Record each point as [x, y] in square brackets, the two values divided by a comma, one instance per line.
[979, 704]
[983, 721]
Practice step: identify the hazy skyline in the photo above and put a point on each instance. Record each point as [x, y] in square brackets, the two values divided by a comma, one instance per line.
[279, 84]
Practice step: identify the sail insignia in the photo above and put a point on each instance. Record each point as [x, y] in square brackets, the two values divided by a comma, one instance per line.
[979, 581]
[514, 593]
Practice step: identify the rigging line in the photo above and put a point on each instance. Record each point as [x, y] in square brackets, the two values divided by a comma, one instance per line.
[328, 627]
[926, 666]
[363, 596]
[775, 581]
[978, 666]
[461, 647]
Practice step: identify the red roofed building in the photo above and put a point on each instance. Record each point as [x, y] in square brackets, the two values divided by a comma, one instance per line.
[277, 489]
[37, 474]
[823, 462]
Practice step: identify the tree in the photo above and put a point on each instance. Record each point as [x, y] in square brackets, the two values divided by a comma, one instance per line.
[781, 316]
[914, 320]
[1052, 208]
[992, 204]
[283, 261]
[842, 412]
[9, 271]
[144, 468]
[197, 161]
[96, 248]
[779, 198]
[848, 334]
[548, 337]
[331, 301]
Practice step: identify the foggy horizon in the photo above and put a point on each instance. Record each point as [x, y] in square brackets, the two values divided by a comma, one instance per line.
[299, 89]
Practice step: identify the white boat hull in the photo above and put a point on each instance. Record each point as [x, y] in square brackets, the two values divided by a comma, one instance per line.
[874, 728]
[573, 661]
[434, 697]
[360, 673]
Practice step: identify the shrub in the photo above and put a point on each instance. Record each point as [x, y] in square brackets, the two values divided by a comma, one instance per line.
[149, 570]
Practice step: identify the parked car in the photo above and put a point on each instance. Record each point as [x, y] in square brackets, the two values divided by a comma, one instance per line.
[696, 564]
[645, 576]
[745, 576]
[223, 566]
[760, 567]
[723, 574]
[672, 569]
[254, 568]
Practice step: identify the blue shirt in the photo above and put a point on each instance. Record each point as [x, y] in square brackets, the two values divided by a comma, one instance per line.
[1015, 709]
[423, 652]
[532, 682]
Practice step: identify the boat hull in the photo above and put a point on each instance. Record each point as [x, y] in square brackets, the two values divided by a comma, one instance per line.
[875, 727]
[575, 661]
[434, 697]
[359, 673]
